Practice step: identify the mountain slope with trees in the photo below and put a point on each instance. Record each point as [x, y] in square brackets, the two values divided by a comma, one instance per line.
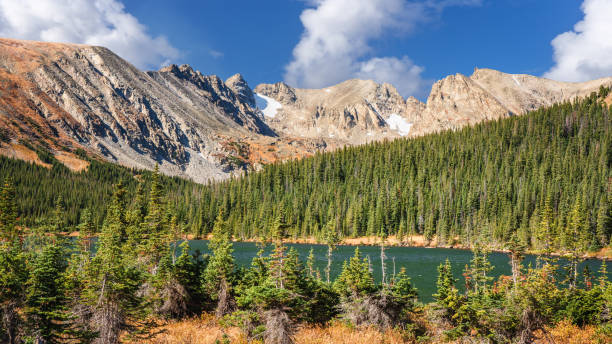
[544, 177]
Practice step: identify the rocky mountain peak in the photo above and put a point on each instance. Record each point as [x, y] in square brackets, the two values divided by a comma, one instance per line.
[280, 91]
[66, 96]
[237, 84]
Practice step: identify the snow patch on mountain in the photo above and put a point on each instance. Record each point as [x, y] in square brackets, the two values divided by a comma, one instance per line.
[267, 105]
[399, 124]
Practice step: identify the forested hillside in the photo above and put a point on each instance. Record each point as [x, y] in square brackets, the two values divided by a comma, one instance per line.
[40, 188]
[544, 176]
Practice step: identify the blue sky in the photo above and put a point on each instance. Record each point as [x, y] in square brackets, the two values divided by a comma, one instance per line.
[257, 37]
[315, 43]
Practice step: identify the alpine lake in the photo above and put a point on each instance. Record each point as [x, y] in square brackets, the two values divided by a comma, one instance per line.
[421, 264]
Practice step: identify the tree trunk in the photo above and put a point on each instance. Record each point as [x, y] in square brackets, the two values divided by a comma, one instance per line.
[329, 262]
[9, 322]
[382, 261]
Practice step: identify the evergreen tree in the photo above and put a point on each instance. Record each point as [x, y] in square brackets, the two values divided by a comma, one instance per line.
[355, 280]
[445, 283]
[331, 239]
[218, 275]
[516, 252]
[13, 276]
[113, 279]
[479, 270]
[604, 225]
[8, 213]
[154, 235]
[575, 230]
[46, 304]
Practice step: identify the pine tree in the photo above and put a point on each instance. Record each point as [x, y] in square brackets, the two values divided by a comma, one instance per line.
[310, 265]
[479, 270]
[13, 276]
[575, 230]
[58, 217]
[13, 269]
[218, 275]
[113, 280]
[46, 305]
[516, 252]
[445, 283]
[544, 233]
[8, 213]
[355, 280]
[154, 234]
[604, 225]
[331, 239]
[87, 229]
[277, 258]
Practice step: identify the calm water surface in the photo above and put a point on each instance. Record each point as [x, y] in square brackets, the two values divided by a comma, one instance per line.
[420, 263]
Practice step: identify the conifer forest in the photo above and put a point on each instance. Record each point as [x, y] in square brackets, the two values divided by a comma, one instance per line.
[102, 256]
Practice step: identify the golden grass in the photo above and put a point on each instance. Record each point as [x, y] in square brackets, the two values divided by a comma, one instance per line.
[19, 151]
[197, 331]
[339, 333]
[72, 161]
[567, 333]
[207, 331]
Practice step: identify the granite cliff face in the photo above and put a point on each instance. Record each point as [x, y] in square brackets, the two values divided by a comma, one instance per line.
[458, 100]
[90, 98]
[358, 111]
[353, 112]
[65, 97]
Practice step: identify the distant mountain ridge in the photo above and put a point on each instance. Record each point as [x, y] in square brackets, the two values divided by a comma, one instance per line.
[63, 97]
[358, 111]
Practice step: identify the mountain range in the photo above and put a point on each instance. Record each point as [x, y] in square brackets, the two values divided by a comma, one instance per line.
[67, 100]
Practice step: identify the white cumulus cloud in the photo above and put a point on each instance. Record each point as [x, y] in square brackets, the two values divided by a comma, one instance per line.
[401, 73]
[585, 53]
[336, 42]
[98, 22]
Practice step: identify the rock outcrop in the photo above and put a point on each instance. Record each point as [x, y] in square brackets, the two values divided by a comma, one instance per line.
[358, 111]
[91, 98]
[241, 88]
[65, 97]
[458, 100]
[352, 112]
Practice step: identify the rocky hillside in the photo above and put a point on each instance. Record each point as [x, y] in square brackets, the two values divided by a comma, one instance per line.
[58, 99]
[357, 111]
[458, 100]
[61, 97]
[353, 112]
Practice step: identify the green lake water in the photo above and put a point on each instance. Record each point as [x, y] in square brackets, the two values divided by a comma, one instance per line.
[420, 263]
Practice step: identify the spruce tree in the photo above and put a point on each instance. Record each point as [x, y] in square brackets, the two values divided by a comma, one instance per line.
[331, 239]
[13, 276]
[113, 279]
[47, 305]
[218, 275]
[8, 213]
[479, 270]
[604, 225]
[355, 280]
[445, 283]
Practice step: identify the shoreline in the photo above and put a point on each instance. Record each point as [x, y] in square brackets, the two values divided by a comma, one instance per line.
[392, 241]
[419, 241]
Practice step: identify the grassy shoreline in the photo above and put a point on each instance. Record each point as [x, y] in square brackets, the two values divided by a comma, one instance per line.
[412, 241]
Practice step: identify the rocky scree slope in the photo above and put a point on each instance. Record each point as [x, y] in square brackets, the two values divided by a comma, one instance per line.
[66, 96]
[63, 97]
[358, 111]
